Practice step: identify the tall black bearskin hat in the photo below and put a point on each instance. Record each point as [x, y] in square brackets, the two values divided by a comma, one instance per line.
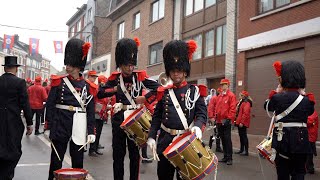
[177, 55]
[291, 73]
[127, 51]
[76, 53]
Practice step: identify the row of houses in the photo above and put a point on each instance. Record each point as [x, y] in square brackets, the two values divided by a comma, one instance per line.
[238, 40]
[31, 65]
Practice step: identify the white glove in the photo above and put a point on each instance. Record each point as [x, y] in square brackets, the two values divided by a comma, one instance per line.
[91, 138]
[152, 143]
[117, 107]
[197, 131]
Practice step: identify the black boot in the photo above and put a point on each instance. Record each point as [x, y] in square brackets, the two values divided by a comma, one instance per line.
[223, 160]
[218, 149]
[239, 152]
[210, 142]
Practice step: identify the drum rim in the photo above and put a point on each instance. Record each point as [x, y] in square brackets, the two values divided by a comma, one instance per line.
[212, 166]
[82, 171]
[129, 118]
[182, 147]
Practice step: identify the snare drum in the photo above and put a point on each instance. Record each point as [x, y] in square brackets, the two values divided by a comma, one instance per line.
[137, 125]
[264, 148]
[191, 157]
[70, 174]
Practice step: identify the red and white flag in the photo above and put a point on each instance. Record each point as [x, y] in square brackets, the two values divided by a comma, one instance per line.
[58, 46]
[33, 46]
[8, 42]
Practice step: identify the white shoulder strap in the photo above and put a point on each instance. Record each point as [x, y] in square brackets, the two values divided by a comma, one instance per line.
[74, 92]
[289, 109]
[124, 90]
[178, 108]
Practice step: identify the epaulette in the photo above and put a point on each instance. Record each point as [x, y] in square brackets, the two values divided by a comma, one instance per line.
[113, 76]
[272, 92]
[141, 75]
[311, 97]
[56, 80]
[160, 92]
[203, 90]
[92, 85]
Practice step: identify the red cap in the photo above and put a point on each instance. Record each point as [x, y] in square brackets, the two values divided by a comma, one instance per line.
[38, 79]
[225, 81]
[28, 80]
[46, 80]
[102, 79]
[219, 90]
[245, 93]
[92, 73]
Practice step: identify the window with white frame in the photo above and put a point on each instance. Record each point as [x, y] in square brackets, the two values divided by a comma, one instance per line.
[89, 15]
[136, 21]
[198, 52]
[157, 10]
[209, 49]
[120, 30]
[267, 5]
[72, 29]
[192, 6]
[221, 38]
[155, 53]
[78, 25]
[88, 38]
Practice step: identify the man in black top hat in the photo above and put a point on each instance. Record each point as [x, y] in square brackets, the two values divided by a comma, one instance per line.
[13, 99]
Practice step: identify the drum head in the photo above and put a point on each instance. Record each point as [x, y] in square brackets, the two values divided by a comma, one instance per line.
[71, 173]
[180, 143]
[131, 118]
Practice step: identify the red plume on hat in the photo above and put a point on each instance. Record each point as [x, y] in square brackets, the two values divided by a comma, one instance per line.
[245, 93]
[192, 45]
[137, 41]
[277, 67]
[85, 49]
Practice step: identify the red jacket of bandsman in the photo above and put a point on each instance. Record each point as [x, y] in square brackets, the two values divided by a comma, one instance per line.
[244, 114]
[212, 107]
[313, 125]
[226, 106]
[37, 94]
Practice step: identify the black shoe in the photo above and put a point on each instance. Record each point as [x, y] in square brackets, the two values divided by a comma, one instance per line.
[99, 153]
[93, 154]
[146, 161]
[239, 152]
[223, 160]
[219, 150]
[229, 162]
[311, 171]
[37, 133]
[100, 147]
[245, 153]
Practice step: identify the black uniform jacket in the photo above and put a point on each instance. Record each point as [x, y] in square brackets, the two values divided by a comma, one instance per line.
[113, 80]
[61, 120]
[13, 99]
[295, 139]
[166, 114]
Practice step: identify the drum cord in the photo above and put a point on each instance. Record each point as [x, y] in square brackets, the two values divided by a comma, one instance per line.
[262, 171]
[135, 88]
[189, 102]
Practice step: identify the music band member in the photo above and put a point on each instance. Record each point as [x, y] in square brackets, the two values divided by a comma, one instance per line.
[292, 108]
[70, 109]
[127, 86]
[243, 115]
[176, 56]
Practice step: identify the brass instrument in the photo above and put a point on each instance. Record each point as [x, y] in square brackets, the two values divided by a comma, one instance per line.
[164, 80]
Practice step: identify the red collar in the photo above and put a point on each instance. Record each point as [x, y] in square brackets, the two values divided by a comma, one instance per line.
[78, 79]
[182, 84]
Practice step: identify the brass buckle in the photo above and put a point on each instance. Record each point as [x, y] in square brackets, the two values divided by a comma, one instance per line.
[71, 108]
[173, 132]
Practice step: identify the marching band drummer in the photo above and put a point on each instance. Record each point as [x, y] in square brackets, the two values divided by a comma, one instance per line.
[292, 107]
[176, 56]
[127, 86]
[70, 109]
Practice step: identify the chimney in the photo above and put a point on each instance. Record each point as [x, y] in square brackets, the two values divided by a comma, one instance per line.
[16, 38]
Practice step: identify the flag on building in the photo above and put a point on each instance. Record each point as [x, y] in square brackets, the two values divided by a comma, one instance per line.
[33, 46]
[58, 46]
[8, 42]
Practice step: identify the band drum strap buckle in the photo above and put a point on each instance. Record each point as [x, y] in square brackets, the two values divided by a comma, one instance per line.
[71, 108]
[280, 131]
[173, 132]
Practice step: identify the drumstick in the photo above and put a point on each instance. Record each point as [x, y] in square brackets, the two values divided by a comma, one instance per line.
[84, 145]
[155, 155]
[55, 150]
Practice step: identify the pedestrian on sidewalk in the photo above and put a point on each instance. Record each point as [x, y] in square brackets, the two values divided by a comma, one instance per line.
[13, 99]
[70, 109]
[243, 114]
[212, 115]
[225, 115]
[127, 86]
[37, 96]
[176, 56]
[292, 106]
[313, 126]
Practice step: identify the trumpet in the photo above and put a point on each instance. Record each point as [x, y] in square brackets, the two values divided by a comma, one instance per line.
[164, 80]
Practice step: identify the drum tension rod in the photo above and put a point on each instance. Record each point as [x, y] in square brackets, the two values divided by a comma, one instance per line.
[183, 160]
[200, 154]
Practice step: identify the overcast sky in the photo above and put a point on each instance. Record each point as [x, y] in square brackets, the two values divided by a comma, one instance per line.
[39, 14]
